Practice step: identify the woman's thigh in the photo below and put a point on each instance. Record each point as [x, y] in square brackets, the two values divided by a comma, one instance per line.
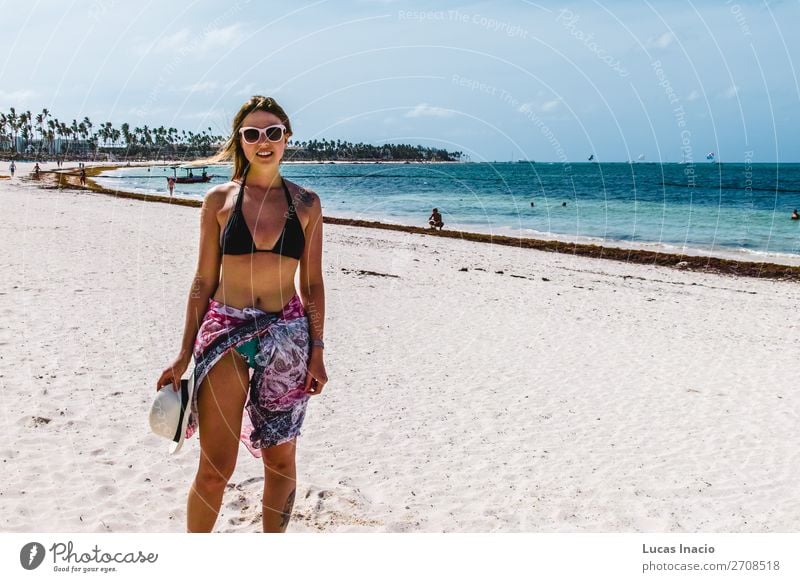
[220, 403]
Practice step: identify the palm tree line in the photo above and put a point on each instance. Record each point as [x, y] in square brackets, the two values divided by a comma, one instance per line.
[324, 150]
[42, 136]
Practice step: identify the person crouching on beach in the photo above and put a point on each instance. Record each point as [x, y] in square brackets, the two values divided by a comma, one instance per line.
[435, 219]
[244, 312]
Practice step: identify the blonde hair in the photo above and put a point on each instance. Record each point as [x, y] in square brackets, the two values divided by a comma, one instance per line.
[232, 148]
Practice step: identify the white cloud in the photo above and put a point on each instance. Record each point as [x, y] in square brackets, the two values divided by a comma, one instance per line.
[731, 92]
[694, 95]
[172, 42]
[211, 113]
[549, 105]
[202, 87]
[546, 107]
[425, 110]
[662, 41]
[247, 91]
[221, 37]
[186, 41]
[16, 98]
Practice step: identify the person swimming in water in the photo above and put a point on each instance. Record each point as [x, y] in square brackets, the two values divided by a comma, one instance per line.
[795, 216]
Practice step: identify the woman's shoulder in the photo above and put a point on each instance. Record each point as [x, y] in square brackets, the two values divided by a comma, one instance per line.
[302, 196]
[218, 195]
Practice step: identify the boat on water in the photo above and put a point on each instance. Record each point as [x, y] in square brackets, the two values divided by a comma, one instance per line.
[189, 176]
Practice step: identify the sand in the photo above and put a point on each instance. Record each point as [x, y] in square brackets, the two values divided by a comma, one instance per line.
[472, 387]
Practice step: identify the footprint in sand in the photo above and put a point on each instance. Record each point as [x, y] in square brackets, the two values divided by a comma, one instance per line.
[337, 508]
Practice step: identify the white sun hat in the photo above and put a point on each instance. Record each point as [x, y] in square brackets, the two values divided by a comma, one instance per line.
[169, 414]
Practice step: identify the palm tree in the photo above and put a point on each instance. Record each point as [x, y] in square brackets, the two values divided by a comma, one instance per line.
[126, 134]
[3, 125]
[25, 128]
[74, 129]
[40, 129]
[50, 137]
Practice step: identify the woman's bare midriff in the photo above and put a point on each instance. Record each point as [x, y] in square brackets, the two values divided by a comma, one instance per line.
[261, 280]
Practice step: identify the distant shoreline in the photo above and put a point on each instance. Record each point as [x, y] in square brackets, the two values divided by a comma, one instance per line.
[69, 178]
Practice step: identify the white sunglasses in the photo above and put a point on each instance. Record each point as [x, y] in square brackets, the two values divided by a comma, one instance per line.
[253, 135]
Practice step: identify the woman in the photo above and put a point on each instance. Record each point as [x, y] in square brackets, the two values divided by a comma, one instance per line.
[243, 312]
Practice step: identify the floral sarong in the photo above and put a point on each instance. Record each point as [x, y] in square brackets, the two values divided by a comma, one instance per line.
[276, 347]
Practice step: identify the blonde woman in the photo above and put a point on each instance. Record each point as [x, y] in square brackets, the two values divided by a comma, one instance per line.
[244, 314]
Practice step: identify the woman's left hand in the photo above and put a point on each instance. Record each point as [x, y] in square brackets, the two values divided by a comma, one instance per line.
[316, 377]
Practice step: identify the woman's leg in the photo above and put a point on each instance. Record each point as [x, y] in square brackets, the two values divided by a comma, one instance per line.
[279, 486]
[220, 402]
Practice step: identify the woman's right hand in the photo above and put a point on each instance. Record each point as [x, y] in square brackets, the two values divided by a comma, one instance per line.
[172, 374]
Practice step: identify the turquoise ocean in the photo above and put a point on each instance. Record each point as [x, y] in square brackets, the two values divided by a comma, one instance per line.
[738, 210]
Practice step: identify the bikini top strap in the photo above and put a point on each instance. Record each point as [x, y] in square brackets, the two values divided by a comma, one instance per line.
[241, 192]
[288, 195]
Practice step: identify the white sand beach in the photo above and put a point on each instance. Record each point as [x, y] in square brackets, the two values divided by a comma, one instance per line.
[565, 394]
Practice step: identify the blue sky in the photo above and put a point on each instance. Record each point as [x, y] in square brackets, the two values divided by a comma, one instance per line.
[497, 80]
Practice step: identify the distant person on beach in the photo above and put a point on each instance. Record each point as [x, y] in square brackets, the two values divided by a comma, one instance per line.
[245, 312]
[36, 170]
[83, 176]
[795, 216]
[171, 184]
[12, 167]
[435, 219]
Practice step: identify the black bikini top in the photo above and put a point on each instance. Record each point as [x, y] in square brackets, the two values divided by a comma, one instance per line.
[236, 239]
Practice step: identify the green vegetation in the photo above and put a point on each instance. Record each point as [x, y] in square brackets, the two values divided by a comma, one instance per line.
[42, 136]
